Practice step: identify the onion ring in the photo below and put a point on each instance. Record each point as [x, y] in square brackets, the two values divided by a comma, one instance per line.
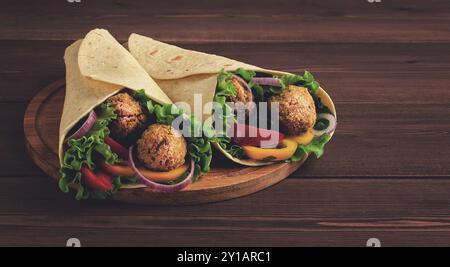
[331, 125]
[157, 187]
[87, 125]
[267, 81]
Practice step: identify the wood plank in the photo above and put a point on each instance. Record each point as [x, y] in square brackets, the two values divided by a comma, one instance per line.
[211, 21]
[327, 200]
[15, 160]
[351, 73]
[306, 212]
[42, 236]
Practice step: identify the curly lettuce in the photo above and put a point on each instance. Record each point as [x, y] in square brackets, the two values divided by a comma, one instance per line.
[262, 93]
[225, 89]
[82, 151]
[306, 80]
[316, 147]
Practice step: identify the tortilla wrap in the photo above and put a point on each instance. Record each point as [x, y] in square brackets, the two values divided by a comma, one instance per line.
[98, 67]
[182, 73]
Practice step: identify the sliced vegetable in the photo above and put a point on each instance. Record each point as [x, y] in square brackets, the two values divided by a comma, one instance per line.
[155, 176]
[316, 146]
[248, 135]
[287, 149]
[85, 127]
[246, 74]
[226, 116]
[117, 148]
[167, 176]
[157, 187]
[228, 145]
[267, 81]
[81, 152]
[99, 181]
[116, 169]
[325, 123]
[303, 139]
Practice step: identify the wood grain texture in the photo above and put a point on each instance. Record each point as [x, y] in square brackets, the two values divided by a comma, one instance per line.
[355, 73]
[385, 174]
[324, 212]
[232, 20]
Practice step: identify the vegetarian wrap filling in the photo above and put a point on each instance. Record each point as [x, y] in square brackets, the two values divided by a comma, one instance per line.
[129, 140]
[304, 123]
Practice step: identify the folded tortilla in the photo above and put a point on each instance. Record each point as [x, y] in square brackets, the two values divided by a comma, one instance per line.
[98, 67]
[182, 73]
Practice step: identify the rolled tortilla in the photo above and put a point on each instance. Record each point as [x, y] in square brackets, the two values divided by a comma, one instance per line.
[98, 67]
[182, 73]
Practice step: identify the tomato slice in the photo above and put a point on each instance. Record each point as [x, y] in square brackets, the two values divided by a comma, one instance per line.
[247, 135]
[99, 181]
[117, 148]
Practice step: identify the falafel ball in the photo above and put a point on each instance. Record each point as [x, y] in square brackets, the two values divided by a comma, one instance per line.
[243, 98]
[130, 115]
[296, 109]
[161, 148]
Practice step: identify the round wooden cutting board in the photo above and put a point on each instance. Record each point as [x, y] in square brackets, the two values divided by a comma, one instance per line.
[226, 180]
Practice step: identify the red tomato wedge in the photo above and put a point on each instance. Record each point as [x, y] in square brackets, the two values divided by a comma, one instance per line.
[117, 148]
[247, 135]
[99, 180]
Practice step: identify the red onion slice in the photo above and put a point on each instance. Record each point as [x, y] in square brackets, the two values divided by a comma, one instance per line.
[117, 148]
[331, 125]
[87, 125]
[267, 81]
[157, 187]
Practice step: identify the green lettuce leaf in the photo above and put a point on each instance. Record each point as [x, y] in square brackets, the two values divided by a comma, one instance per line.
[307, 80]
[225, 85]
[316, 147]
[246, 74]
[234, 150]
[81, 152]
[225, 89]
[320, 107]
[144, 100]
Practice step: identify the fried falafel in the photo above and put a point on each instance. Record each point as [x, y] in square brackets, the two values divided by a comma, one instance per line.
[243, 98]
[162, 148]
[242, 94]
[296, 109]
[130, 116]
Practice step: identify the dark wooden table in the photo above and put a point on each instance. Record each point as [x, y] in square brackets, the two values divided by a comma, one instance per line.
[385, 175]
